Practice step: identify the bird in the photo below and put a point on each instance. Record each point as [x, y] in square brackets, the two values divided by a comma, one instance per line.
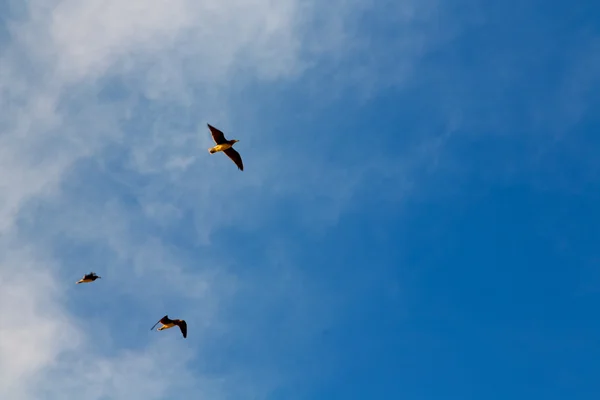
[168, 323]
[91, 277]
[225, 146]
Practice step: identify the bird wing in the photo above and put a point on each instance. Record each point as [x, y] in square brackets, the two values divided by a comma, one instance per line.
[217, 135]
[183, 327]
[163, 321]
[235, 157]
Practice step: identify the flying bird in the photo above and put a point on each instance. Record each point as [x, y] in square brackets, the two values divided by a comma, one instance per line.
[91, 277]
[225, 146]
[168, 323]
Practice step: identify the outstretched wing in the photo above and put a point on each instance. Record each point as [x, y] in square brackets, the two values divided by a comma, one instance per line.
[183, 327]
[217, 135]
[235, 157]
[161, 321]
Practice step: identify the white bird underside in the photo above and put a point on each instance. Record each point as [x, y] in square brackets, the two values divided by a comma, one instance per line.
[91, 277]
[167, 323]
[219, 147]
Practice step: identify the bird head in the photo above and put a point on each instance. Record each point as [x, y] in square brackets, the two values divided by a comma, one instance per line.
[235, 140]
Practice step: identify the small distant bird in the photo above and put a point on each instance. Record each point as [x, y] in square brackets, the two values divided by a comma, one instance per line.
[168, 323]
[91, 277]
[225, 146]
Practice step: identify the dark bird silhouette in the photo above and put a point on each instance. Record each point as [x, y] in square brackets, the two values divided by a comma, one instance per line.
[91, 277]
[168, 323]
[225, 146]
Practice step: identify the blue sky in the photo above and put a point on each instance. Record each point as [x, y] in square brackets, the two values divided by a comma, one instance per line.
[417, 217]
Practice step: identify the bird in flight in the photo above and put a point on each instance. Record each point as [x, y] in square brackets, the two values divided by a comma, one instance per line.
[225, 146]
[170, 323]
[91, 277]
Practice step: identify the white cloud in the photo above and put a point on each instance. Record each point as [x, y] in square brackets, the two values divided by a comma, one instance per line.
[86, 178]
[36, 329]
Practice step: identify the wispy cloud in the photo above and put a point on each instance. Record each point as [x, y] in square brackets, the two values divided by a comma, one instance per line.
[104, 167]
